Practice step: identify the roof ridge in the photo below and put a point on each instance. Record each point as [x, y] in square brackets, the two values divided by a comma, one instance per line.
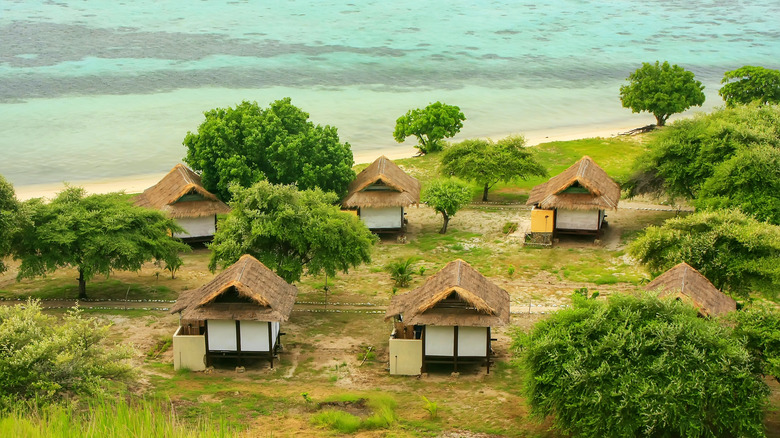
[184, 174]
[460, 265]
[685, 273]
[241, 274]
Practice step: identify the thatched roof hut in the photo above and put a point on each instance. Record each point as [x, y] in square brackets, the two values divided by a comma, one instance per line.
[457, 295]
[246, 291]
[382, 184]
[583, 186]
[689, 285]
[181, 195]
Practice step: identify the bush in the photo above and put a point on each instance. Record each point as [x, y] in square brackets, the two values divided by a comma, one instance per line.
[401, 271]
[43, 358]
[640, 367]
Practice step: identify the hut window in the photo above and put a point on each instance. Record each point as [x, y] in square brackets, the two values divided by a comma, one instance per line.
[191, 196]
[378, 186]
[231, 296]
[575, 188]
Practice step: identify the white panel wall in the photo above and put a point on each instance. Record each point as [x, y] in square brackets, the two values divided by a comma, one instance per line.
[196, 226]
[254, 335]
[405, 357]
[222, 335]
[377, 218]
[577, 219]
[275, 326]
[472, 341]
[439, 341]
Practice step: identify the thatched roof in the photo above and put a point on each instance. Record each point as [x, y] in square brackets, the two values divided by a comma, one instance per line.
[602, 193]
[181, 181]
[486, 304]
[404, 189]
[688, 284]
[266, 296]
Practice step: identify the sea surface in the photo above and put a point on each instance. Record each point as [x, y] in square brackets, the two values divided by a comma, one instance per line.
[91, 90]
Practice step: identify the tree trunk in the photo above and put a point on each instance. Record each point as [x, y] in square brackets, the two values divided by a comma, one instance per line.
[485, 192]
[82, 285]
[444, 226]
[660, 119]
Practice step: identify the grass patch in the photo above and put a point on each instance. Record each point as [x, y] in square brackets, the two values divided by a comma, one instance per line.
[335, 416]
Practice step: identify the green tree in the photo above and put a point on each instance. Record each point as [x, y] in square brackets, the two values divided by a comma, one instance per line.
[734, 251]
[486, 163]
[446, 196]
[751, 84]
[681, 158]
[640, 367]
[96, 234]
[760, 327]
[749, 180]
[289, 230]
[430, 125]
[401, 271]
[9, 219]
[247, 144]
[661, 89]
[44, 357]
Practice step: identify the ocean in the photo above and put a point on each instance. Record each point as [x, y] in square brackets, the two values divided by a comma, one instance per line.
[92, 90]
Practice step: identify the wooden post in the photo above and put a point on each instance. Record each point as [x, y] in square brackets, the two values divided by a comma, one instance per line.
[487, 353]
[270, 345]
[455, 348]
[238, 341]
[206, 339]
[422, 339]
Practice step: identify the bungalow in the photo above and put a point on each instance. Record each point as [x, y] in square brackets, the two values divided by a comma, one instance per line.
[574, 201]
[181, 195]
[238, 314]
[380, 193]
[446, 320]
[688, 285]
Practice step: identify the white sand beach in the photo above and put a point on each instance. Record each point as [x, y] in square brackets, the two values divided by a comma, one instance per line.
[138, 183]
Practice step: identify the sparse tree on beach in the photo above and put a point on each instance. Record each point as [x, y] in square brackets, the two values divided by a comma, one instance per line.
[447, 197]
[290, 230]
[750, 84]
[9, 219]
[662, 90]
[95, 234]
[248, 143]
[486, 163]
[430, 125]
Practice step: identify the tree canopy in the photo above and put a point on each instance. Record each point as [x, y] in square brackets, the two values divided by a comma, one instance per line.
[486, 163]
[447, 197]
[96, 234]
[9, 219]
[662, 90]
[288, 230]
[640, 367]
[44, 357]
[734, 251]
[751, 84]
[248, 143]
[430, 125]
[759, 325]
[721, 159]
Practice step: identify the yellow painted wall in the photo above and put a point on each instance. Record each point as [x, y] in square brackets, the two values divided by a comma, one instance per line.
[405, 357]
[538, 222]
[189, 351]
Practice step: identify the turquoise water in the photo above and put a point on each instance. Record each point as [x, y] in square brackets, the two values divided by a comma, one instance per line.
[96, 89]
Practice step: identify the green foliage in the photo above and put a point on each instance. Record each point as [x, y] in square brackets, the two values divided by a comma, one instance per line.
[583, 292]
[10, 216]
[107, 418]
[509, 228]
[486, 163]
[382, 417]
[446, 196]
[749, 84]
[432, 408]
[96, 234]
[734, 251]
[401, 271]
[718, 155]
[662, 90]
[43, 358]
[288, 229]
[430, 125]
[247, 144]
[760, 327]
[640, 367]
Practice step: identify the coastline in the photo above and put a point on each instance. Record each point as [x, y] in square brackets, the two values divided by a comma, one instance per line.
[139, 183]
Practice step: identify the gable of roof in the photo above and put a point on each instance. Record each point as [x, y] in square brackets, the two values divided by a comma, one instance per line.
[602, 192]
[489, 304]
[167, 195]
[688, 284]
[268, 297]
[404, 189]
